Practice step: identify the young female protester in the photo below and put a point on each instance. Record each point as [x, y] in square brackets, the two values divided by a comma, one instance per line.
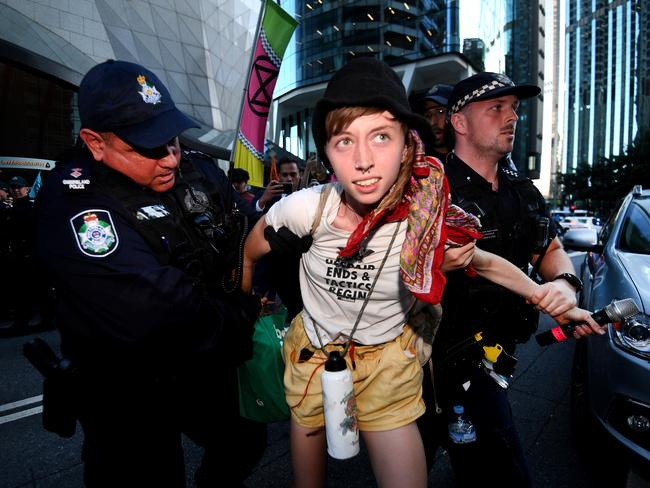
[377, 248]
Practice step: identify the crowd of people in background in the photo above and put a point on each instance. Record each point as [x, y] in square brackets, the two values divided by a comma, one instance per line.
[25, 304]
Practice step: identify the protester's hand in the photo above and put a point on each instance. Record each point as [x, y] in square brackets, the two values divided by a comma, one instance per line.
[457, 257]
[273, 190]
[553, 298]
[587, 325]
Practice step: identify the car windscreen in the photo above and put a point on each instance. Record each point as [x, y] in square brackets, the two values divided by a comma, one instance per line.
[635, 236]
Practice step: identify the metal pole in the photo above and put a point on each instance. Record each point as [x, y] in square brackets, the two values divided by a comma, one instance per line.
[248, 79]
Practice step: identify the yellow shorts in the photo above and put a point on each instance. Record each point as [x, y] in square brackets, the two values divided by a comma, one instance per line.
[387, 381]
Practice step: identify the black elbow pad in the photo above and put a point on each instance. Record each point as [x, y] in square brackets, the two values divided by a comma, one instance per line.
[283, 242]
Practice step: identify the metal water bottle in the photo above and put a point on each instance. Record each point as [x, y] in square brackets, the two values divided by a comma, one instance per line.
[340, 408]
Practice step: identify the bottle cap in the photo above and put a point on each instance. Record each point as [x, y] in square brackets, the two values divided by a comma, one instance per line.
[335, 362]
[459, 410]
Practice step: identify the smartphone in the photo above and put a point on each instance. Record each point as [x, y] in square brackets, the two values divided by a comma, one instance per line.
[287, 188]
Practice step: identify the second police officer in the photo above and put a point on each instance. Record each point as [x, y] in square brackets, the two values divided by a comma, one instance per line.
[482, 113]
[135, 239]
[433, 106]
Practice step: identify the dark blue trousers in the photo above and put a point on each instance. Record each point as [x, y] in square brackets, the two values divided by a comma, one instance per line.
[497, 458]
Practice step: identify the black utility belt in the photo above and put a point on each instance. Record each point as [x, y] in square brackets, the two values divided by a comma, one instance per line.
[480, 350]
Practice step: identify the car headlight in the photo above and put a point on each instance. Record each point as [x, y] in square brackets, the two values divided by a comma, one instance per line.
[633, 335]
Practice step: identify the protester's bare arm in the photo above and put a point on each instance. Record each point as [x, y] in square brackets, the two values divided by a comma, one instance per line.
[502, 272]
[255, 248]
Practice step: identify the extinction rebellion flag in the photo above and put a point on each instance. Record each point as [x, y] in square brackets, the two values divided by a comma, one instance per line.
[274, 34]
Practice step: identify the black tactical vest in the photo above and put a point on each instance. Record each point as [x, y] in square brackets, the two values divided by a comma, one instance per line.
[508, 221]
[184, 226]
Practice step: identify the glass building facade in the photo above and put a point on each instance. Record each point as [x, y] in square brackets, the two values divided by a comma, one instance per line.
[643, 94]
[412, 32]
[607, 87]
[38, 116]
[332, 33]
[199, 48]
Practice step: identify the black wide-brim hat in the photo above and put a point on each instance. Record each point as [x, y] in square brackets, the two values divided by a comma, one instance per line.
[367, 82]
[485, 86]
[131, 101]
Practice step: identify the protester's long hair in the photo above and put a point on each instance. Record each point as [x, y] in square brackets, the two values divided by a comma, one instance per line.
[339, 119]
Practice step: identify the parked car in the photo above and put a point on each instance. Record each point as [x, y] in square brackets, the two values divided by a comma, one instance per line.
[559, 214]
[611, 373]
[582, 222]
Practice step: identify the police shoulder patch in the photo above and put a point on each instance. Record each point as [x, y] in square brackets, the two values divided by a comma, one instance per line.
[95, 232]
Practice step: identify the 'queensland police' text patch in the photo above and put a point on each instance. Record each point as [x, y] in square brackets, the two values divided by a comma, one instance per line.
[95, 232]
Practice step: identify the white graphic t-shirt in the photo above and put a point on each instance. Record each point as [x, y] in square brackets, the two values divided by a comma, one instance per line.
[333, 293]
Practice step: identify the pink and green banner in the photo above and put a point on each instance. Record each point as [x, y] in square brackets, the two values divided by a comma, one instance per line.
[273, 37]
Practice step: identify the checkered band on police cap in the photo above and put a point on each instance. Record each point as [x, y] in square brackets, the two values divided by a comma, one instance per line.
[488, 87]
[483, 86]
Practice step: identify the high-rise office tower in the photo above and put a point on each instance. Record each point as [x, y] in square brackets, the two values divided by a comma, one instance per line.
[474, 50]
[606, 78]
[554, 106]
[643, 95]
[525, 64]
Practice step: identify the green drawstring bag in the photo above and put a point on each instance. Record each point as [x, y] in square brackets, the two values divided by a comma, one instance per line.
[261, 389]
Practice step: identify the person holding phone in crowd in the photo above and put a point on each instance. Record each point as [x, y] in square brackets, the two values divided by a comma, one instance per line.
[289, 174]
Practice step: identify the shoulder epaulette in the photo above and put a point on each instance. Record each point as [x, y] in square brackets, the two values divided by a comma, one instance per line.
[509, 172]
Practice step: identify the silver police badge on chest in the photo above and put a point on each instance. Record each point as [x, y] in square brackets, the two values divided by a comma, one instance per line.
[152, 212]
[195, 200]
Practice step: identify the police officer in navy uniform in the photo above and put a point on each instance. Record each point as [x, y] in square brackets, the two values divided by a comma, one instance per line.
[433, 106]
[482, 111]
[6, 203]
[20, 266]
[135, 239]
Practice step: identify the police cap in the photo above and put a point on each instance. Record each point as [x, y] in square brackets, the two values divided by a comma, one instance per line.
[485, 86]
[130, 101]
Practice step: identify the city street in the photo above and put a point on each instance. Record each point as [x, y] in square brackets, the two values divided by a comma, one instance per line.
[32, 457]
[143, 142]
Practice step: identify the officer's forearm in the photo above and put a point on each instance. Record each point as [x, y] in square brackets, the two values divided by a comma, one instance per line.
[555, 262]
